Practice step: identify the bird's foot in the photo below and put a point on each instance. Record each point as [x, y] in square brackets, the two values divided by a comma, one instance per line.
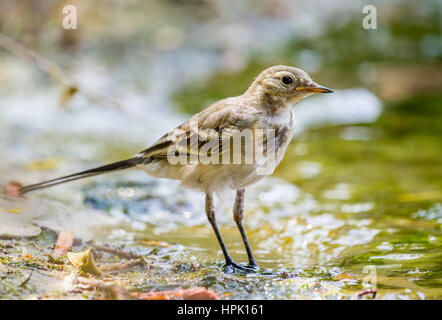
[253, 267]
[233, 267]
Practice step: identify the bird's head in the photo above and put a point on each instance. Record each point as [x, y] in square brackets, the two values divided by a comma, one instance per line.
[284, 84]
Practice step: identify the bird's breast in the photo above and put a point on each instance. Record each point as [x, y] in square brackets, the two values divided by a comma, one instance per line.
[283, 127]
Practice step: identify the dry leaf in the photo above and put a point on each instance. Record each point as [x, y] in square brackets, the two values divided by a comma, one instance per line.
[15, 210]
[343, 276]
[199, 293]
[85, 261]
[64, 243]
[66, 94]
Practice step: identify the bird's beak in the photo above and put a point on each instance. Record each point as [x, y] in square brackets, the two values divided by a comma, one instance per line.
[314, 88]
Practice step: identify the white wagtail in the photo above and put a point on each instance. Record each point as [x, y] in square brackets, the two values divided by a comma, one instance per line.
[200, 152]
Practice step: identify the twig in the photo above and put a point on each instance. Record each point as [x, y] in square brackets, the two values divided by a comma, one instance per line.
[55, 72]
[27, 279]
[373, 292]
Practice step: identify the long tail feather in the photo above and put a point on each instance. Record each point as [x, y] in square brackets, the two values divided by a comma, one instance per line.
[120, 165]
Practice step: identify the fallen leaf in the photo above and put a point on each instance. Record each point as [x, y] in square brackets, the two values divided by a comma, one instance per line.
[64, 243]
[85, 261]
[66, 94]
[13, 188]
[199, 293]
[15, 210]
[343, 276]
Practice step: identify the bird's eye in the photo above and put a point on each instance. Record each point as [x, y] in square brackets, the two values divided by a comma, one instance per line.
[287, 80]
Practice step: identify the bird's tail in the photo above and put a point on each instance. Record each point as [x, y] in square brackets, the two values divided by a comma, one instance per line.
[120, 165]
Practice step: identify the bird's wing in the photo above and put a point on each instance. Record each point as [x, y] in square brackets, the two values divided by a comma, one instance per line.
[203, 133]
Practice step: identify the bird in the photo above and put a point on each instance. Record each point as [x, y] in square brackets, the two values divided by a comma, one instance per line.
[230, 145]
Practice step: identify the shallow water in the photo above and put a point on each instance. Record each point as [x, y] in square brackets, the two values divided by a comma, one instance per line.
[345, 198]
[356, 199]
[387, 177]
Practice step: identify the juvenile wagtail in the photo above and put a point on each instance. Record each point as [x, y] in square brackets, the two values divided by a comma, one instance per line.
[231, 144]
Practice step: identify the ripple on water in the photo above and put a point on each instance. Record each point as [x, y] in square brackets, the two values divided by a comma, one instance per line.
[399, 256]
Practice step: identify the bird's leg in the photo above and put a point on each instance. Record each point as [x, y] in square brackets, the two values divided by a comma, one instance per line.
[238, 215]
[230, 264]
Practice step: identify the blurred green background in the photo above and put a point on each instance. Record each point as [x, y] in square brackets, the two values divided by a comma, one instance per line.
[375, 184]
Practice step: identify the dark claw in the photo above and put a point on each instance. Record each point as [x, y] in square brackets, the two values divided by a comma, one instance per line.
[253, 267]
[233, 267]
